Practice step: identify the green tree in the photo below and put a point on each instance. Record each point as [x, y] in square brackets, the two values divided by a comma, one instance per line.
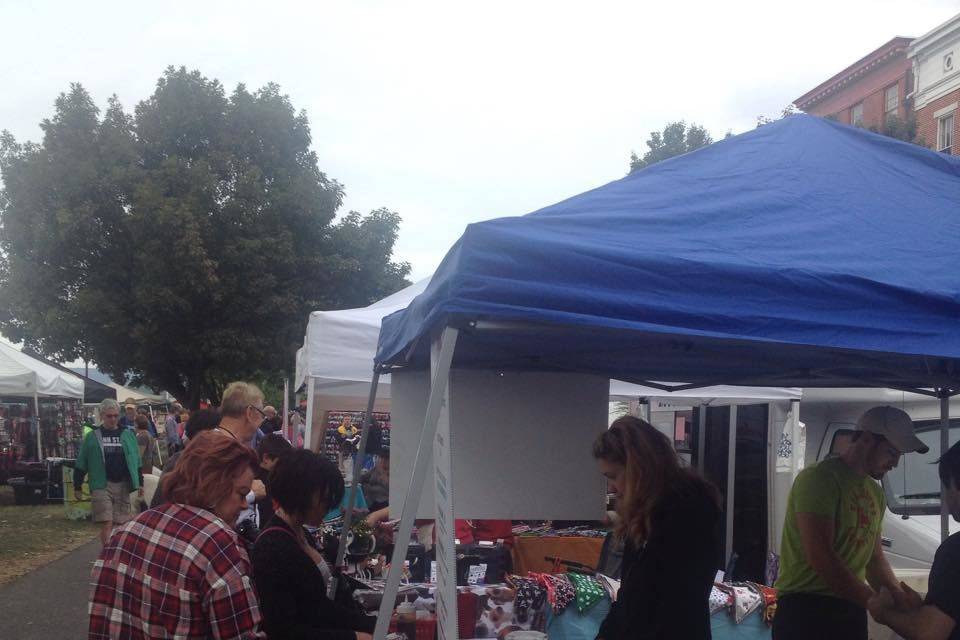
[676, 139]
[183, 245]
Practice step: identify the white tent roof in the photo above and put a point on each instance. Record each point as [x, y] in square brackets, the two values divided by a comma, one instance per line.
[126, 394]
[22, 375]
[339, 347]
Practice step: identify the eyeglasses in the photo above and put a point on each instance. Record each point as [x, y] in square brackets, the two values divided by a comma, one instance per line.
[259, 410]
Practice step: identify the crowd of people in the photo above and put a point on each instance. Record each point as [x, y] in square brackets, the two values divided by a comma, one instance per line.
[225, 548]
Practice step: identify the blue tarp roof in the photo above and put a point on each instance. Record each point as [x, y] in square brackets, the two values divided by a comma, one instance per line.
[803, 253]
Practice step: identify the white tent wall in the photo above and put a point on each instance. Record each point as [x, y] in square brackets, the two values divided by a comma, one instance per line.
[504, 429]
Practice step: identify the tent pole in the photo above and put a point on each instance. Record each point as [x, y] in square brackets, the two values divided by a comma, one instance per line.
[354, 481]
[944, 445]
[311, 405]
[440, 371]
[36, 417]
[731, 481]
[701, 438]
[286, 406]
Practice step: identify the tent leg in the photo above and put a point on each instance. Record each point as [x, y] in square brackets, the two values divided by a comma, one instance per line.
[701, 438]
[36, 417]
[311, 405]
[286, 407]
[731, 480]
[440, 376]
[355, 481]
[944, 445]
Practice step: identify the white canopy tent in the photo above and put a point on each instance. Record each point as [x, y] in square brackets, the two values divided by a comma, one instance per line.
[24, 376]
[336, 360]
[128, 395]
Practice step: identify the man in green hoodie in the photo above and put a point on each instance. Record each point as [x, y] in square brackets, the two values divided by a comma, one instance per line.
[111, 456]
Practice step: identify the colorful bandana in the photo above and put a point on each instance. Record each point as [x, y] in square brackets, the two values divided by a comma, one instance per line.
[560, 592]
[530, 595]
[589, 592]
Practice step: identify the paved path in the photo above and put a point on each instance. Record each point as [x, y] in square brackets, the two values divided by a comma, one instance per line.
[49, 603]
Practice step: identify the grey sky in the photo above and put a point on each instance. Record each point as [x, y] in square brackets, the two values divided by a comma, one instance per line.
[451, 112]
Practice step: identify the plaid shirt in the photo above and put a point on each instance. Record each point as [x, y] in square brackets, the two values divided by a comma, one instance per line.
[174, 572]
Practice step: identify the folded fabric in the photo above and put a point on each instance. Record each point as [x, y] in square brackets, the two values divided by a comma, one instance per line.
[719, 599]
[530, 594]
[746, 600]
[611, 585]
[589, 592]
[560, 591]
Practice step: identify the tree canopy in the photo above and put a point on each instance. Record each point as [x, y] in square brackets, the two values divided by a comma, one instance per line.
[183, 244]
[677, 138]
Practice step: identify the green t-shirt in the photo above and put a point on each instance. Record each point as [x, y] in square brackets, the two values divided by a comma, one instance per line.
[855, 504]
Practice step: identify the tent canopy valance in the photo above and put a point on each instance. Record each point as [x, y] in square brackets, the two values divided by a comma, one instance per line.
[804, 253]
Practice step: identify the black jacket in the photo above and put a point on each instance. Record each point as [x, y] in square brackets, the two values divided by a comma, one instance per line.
[666, 585]
[293, 593]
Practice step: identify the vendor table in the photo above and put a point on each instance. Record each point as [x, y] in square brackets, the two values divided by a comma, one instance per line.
[529, 552]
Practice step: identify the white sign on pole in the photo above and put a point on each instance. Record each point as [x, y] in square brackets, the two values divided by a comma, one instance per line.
[446, 593]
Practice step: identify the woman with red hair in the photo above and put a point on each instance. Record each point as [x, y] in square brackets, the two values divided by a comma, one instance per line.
[179, 570]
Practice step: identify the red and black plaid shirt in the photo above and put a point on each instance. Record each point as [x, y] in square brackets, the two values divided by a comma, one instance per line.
[173, 572]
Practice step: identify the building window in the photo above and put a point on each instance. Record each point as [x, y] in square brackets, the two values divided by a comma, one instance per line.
[891, 100]
[945, 134]
[856, 114]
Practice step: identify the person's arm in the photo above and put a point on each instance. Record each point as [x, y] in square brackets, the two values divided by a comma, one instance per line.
[80, 469]
[816, 536]
[276, 568]
[880, 575]
[924, 622]
[378, 516]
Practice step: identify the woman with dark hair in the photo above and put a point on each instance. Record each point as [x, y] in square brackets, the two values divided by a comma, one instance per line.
[669, 522]
[269, 451]
[179, 570]
[289, 570]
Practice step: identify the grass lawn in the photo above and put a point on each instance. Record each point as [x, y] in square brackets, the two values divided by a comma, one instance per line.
[30, 537]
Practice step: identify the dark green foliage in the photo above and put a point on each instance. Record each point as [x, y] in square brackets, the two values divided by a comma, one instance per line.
[184, 244]
[676, 139]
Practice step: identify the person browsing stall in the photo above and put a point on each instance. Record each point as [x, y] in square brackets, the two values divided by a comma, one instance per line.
[669, 519]
[269, 452]
[831, 536]
[937, 617]
[290, 573]
[179, 570]
[110, 455]
[241, 413]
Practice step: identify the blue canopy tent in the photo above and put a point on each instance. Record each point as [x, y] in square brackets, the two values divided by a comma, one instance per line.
[804, 253]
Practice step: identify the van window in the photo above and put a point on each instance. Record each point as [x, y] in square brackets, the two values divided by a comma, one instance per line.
[913, 488]
[841, 440]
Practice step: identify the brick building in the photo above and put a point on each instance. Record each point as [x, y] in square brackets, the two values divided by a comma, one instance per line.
[868, 91]
[935, 59]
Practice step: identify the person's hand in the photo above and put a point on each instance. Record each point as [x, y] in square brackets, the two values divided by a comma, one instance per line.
[78, 495]
[906, 598]
[259, 490]
[880, 602]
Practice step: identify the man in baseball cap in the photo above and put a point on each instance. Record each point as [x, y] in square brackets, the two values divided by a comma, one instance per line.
[832, 563]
